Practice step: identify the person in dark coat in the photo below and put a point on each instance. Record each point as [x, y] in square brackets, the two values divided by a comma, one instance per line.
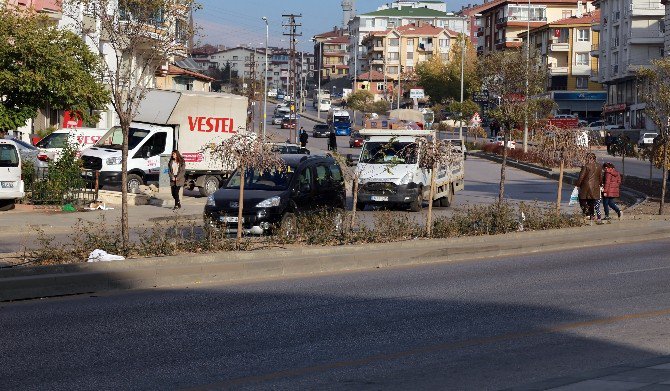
[611, 184]
[332, 141]
[588, 183]
[177, 172]
[609, 140]
[303, 137]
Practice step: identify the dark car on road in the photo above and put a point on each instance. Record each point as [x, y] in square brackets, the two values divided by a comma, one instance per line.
[272, 199]
[320, 130]
[356, 140]
[288, 123]
[289, 149]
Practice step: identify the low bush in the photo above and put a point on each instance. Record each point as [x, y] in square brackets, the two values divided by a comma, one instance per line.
[324, 228]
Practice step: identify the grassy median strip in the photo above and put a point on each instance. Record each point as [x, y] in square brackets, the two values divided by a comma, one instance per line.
[326, 228]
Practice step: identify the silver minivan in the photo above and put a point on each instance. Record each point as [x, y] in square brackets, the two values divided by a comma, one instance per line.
[11, 183]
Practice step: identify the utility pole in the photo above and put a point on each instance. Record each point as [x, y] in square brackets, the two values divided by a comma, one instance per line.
[525, 121]
[292, 27]
[265, 77]
[463, 48]
[251, 92]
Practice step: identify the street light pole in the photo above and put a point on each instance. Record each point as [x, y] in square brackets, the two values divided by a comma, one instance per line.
[525, 121]
[318, 91]
[463, 48]
[265, 76]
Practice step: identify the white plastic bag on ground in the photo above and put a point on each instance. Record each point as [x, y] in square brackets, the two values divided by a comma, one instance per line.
[574, 197]
[98, 255]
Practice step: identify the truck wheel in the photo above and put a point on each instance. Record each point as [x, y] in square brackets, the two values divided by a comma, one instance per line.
[449, 199]
[133, 183]
[6, 205]
[209, 186]
[418, 202]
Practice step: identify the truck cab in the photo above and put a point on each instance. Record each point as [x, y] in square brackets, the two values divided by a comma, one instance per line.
[389, 172]
[340, 121]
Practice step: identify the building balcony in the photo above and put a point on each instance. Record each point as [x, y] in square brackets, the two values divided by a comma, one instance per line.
[509, 43]
[335, 53]
[377, 61]
[595, 50]
[560, 47]
[616, 16]
[646, 36]
[555, 70]
[427, 47]
[596, 27]
[595, 76]
[646, 8]
[581, 70]
[480, 31]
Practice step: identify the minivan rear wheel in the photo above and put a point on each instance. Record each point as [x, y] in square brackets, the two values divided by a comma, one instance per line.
[133, 183]
[6, 205]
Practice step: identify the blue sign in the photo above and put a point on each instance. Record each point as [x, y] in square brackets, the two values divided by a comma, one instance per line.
[580, 95]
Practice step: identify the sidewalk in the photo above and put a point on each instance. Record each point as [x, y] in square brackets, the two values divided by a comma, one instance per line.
[650, 374]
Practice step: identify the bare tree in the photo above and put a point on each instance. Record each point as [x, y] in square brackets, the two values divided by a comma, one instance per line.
[137, 38]
[249, 154]
[500, 76]
[655, 82]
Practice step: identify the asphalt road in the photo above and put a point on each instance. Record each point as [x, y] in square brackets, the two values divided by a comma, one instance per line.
[479, 325]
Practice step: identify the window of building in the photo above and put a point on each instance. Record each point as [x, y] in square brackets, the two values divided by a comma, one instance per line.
[444, 43]
[410, 43]
[394, 56]
[380, 86]
[394, 42]
[566, 14]
[393, 70]
[582, 59]
[583, 35]
[410, 55]
[582, 82]
[409, 69]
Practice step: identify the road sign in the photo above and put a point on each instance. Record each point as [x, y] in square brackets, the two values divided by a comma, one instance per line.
[476, 120]
[416, 93]
[481, 96]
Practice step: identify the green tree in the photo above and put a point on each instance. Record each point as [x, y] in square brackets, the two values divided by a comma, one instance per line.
[502, 76]
[441, 79]
[380, 107]
[463, 111]
[360, 100]
[41, 66]
[655, 82]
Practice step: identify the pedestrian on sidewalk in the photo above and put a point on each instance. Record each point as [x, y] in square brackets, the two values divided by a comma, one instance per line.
[609, 140]
[303, 137]
[332, 141]
[177, 172]
[611, 184]
[588, 183]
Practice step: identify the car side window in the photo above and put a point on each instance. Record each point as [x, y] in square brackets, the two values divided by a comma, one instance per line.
[335, 173]
[154, 146]
[321, 176]
[305, 180]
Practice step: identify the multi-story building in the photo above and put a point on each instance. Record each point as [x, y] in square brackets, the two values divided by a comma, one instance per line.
[564, 47]
[632, 33]
[395, 14]
[330, 50]
[500, 22]
[51, 8]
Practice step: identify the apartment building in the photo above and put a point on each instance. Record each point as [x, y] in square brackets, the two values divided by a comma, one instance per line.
[500, 22]
[396, 14]
[51, 8]
[330, 50]
[632, 34]
[399, 49]
[564, 47]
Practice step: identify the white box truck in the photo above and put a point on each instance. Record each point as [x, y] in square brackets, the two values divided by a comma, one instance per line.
[389, 173]
[166, 120]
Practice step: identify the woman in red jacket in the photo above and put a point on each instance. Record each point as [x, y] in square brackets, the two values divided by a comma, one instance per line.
[611, 183]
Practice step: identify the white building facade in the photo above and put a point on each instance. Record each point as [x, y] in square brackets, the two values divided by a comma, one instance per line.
[393, 15]
[632, 34]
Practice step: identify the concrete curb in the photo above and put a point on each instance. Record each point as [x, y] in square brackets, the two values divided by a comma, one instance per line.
[195, 269]
[629, 195]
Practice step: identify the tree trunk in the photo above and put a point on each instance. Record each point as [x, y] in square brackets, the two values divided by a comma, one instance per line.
[240, 207]
[560, 187]
[429, 220]
[125, 234]
[651, 171]
[664, 180]
[623, 164]
[354, 193]
[501, 193]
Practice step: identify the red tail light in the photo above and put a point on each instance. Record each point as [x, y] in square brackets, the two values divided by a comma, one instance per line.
[42, 157]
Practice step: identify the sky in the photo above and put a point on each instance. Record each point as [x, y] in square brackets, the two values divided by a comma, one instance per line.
[238, 22]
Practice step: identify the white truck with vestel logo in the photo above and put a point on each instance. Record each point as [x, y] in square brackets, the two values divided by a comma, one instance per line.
[389, 173]
[166, 120]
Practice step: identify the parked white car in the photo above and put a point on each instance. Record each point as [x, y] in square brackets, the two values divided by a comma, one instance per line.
[11, 183]
[52, 145]
[500, 140]
[647, 139]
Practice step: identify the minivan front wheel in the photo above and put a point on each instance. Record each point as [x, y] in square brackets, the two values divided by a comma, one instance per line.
[287, 226]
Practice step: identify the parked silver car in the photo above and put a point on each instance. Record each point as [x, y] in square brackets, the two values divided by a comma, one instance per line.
[30, 153]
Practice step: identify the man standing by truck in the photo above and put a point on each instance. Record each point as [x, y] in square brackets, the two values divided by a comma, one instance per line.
[332, 141]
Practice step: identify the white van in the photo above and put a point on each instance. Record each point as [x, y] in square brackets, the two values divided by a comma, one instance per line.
[324, 105]
[11, 183]
[52, 145]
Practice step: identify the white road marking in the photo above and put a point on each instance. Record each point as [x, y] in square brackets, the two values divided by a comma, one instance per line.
[640, 270]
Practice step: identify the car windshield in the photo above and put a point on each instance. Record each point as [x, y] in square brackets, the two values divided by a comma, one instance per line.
[392, 152]
[261, 180]
[8, 156]
[54, 140]
[114, 138]
[341, 118]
